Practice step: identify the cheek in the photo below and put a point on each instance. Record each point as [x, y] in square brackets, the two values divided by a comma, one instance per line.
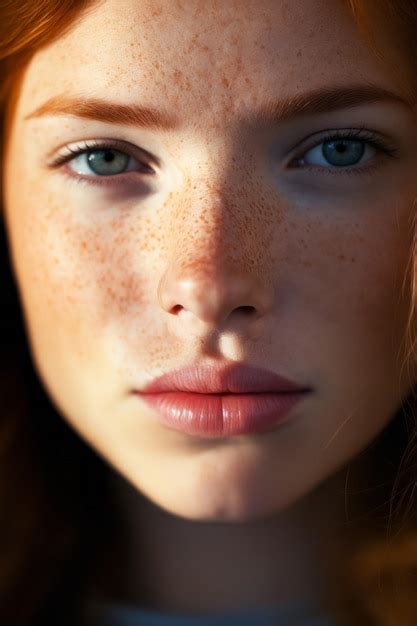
[365, 262]
[81, 284]
[372, 302]
[354, 294]
[68, 266]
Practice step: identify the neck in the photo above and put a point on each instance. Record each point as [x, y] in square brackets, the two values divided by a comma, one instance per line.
[170, 564]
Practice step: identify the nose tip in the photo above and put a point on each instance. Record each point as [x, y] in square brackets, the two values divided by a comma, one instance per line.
[215, 298]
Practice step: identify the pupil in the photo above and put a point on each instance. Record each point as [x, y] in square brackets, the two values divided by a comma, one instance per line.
[336, 152]
[106, 162]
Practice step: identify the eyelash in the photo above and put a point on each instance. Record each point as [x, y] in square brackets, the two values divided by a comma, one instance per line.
[357, 134]
[89, 146]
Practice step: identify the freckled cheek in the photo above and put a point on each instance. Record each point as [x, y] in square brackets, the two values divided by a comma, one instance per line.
[79, 274]
[354, 278]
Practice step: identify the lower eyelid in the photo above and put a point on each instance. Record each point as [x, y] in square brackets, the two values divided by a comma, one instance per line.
[126, 183]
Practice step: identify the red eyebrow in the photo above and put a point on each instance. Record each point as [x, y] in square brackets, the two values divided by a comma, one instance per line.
[273, 112]
[96, 109]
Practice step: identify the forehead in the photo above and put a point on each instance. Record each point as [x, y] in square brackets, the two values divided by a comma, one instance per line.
[199, 56]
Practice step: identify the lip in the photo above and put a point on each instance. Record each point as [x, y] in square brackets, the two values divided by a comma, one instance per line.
[211, 401]
[233, 378]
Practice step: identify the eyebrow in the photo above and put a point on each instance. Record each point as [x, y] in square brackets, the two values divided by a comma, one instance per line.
[274, 112]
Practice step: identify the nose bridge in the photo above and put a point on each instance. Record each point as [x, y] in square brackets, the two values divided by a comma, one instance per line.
[216, 198]
[214, 222]
[217, 262]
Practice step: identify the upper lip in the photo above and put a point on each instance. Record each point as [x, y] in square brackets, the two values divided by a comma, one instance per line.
[234, 378]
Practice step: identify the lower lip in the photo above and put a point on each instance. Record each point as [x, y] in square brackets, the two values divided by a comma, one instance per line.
[222, 414]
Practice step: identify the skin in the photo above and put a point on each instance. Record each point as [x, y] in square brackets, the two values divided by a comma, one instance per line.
[120, 284]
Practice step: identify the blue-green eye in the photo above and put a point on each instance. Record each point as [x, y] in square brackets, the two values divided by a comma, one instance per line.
[339, 151]
[105, 160]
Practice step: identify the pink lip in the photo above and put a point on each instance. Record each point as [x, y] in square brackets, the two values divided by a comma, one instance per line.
[233, 378]
[214, 401]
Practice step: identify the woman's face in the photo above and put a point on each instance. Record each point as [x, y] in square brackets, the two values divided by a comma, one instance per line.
[132, 266]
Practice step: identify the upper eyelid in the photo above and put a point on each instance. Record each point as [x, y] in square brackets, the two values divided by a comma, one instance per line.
[123, 143]
[137, 152]
[361, 134]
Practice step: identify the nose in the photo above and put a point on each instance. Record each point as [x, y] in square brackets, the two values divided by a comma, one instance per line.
[218, 276]
[213, 295]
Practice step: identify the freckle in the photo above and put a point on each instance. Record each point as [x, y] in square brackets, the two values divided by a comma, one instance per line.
[341, 257]
[352, 259]
[177, 76]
